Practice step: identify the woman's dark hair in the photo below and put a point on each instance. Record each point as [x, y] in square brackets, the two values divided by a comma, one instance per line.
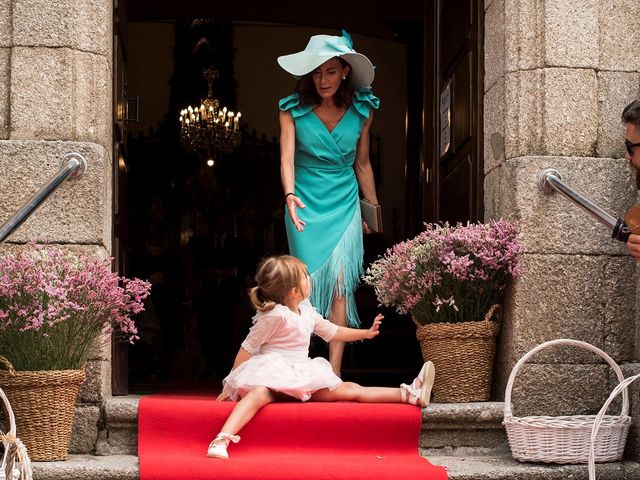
[631, 113]
[309, 95]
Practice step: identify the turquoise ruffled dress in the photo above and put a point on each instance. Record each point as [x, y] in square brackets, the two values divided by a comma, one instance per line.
[331, 242]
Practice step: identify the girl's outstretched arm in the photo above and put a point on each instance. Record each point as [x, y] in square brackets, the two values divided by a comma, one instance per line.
[345, 334]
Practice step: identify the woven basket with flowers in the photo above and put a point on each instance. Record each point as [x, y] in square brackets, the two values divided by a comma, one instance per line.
[450, 279]
[57, 309]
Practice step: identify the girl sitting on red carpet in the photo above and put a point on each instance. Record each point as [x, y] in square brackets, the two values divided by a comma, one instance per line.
[273, 362]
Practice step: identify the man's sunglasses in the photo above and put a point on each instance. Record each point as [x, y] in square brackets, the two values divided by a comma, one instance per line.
[630, 146]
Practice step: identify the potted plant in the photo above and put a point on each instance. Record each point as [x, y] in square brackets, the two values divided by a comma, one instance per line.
[451, 280]
[56, 309]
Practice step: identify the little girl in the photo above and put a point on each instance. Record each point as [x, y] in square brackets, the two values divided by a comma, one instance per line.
[273, 362]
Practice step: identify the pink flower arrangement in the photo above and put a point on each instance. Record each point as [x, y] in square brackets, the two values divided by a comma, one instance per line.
[56, 307]
[448, 273]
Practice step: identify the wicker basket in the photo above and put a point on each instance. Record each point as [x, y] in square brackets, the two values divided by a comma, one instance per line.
[44, 403]
[565, 439]
[463, 355]
[15, 464]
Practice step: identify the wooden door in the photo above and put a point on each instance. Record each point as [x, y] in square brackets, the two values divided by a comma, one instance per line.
[119, 364]
[453, 167]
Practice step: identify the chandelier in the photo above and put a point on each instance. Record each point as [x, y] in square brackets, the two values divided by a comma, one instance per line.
[208, 129]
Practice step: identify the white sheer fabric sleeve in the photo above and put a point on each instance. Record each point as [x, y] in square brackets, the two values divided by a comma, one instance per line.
[262, 331]
[324, 328]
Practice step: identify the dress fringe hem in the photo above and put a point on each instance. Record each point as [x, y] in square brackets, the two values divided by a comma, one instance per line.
[341, 273]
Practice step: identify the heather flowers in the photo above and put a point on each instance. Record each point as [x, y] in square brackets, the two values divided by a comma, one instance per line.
[448, 273]
[56, 307]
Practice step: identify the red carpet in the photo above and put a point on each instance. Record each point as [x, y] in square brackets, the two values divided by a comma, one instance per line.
[284, 441]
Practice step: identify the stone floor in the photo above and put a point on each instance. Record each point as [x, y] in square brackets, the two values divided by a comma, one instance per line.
[469, 465]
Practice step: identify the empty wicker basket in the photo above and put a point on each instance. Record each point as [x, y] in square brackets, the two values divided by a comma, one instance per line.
[566, 439]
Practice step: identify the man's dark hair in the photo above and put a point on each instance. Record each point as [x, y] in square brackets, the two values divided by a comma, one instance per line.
[631, 113]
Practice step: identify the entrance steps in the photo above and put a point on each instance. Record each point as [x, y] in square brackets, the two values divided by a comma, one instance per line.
[471, 464]
[444, 425]
[468, 438]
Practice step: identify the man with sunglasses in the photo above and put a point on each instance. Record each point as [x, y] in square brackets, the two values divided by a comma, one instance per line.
[631, 121]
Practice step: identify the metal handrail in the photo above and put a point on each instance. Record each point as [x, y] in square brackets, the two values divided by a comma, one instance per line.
[73, 166]
[550, 180]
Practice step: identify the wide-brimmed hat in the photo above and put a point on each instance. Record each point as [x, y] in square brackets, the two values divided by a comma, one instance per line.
[324, 47]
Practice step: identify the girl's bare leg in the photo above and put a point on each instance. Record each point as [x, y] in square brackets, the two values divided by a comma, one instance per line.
[246, 408]
[348, 391]
[339, 317]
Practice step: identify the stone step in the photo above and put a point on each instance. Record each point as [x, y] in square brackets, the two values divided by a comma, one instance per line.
[462, 464]
[120, 435]
[89, 467]
[463, 425]
[443, 425]
[499, 465]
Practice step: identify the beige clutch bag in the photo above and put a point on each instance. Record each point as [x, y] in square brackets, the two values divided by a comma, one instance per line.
[372, 214]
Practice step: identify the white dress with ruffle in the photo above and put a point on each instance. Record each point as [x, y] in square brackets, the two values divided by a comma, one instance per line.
[279, 346]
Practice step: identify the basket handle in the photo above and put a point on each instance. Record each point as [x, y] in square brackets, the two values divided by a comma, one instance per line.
[496, 309]
[12, 419]
[596, 424]
[562, 341]
[12, 429]
[7, 365]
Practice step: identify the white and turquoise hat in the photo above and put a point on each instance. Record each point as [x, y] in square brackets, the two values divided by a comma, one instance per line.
[324, 47]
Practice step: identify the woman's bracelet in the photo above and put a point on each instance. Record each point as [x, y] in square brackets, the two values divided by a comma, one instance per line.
[287, 195]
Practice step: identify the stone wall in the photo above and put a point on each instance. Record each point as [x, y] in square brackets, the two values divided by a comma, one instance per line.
[558, 75]
[56, 98]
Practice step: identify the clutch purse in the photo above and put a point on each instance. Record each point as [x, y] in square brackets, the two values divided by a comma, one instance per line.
[372, 214]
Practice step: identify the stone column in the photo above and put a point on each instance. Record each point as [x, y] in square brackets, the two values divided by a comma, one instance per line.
[55, 98]
[558, 75]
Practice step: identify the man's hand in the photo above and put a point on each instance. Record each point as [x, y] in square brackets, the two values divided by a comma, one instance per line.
[633, 245]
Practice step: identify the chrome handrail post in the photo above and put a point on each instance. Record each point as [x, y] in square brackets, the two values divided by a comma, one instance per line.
[73, 166]
[550, 180]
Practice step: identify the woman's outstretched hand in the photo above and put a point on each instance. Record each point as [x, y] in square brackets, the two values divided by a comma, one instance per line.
[375, 328]
[293, 202]
[222, 397]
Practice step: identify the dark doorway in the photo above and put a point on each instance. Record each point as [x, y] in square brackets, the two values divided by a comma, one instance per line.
[197, 221]
[170, 206]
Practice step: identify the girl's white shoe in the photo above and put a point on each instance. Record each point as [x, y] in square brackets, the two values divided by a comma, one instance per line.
[419, 392]
[218, 446]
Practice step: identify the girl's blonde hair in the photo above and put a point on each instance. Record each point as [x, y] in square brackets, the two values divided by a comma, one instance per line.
[275, 278]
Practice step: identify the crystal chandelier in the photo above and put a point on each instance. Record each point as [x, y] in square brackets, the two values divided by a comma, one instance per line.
[209, 130]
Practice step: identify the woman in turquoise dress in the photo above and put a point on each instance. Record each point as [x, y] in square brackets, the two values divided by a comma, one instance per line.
[324, 166]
